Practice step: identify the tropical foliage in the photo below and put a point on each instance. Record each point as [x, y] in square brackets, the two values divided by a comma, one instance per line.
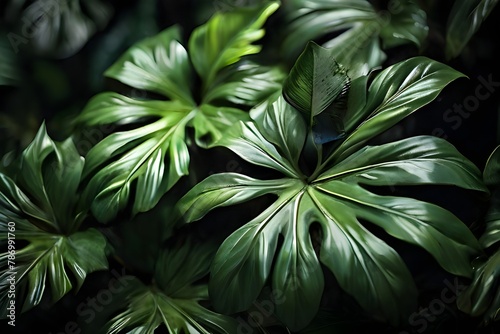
[247, 168]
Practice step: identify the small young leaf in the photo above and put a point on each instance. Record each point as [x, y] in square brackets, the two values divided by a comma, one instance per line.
[226, 38]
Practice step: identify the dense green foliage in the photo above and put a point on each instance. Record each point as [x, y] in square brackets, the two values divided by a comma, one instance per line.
[315, 223]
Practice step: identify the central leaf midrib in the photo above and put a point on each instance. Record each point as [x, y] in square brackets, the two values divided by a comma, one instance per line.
[364, 168]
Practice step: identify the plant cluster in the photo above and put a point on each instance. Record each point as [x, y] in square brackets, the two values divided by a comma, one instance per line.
[245, 176]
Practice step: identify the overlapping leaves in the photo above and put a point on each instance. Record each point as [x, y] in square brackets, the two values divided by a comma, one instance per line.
[334, 196]
[39, 205]
[174, 301]
[155, 156]
[358, 28]
[313, 88]
[482, 297]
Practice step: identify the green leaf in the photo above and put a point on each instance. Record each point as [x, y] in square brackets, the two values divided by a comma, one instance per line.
[410, 160]
[211, 122]
[395, 93]
[158, 64]
[113, 108]
[350, 250]
[465, 19]
[226, 189]
[314, 83]
[226, 38]
[244, 260]
[154, 156]
[334, 198]
[357, 28]
[491, 174]
[278, 122]
[258, 150]
[245, 83]
[40, 205]
[175, 301]
[491, 177]
[143, 155]
[491, 234]
[482, 297]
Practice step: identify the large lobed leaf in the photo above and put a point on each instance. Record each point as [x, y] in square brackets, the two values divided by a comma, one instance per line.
[335, 197]
[40, 205]
[154, 156]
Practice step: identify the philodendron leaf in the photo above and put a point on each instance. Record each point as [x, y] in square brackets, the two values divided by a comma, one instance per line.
[226, 38]
[158, 64]
[39, 205]
[174, 301]
[314, 83]
[154, 156]
[357, 28]
[335, 198]
[464, 21]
